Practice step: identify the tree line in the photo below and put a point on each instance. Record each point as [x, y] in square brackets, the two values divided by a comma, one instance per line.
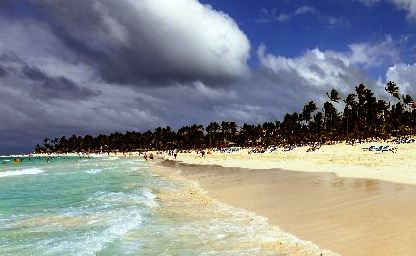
[358, 116]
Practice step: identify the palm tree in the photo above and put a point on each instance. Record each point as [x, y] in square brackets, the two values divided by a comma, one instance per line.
[212, 130]
[39, 149]
[232, 129]
[330, 113]
[269, 129]
[224, 130]
[393, 90]
[228, 128]
[407, 100]
[350, 108]
[333, 96]
[196, 135]
[308, 109]
[248, 135]
[306, 116]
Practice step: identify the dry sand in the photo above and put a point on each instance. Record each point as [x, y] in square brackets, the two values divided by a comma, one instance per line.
[341, 159]
[349, 216]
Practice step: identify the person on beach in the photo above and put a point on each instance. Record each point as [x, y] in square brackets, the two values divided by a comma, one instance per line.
[202, 153]
[145, 156]
[151, 156]
[174, 155]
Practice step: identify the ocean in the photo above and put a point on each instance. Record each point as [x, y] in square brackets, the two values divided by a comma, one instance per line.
[118, 206]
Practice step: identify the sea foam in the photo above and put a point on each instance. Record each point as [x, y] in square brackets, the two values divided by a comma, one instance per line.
[94, 171]
[27, 171]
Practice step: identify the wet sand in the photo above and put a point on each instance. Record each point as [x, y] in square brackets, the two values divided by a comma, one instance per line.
[345, 215]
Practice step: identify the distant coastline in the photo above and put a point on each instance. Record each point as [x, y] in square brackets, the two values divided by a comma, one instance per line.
[362, 160]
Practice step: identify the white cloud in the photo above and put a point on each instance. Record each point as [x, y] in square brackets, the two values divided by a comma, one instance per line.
[304, 10]
[311, 74]
[408, 5]
[285, 84]
[315, 68]
[404, 76]
[269, 16]
[283, 17]
[374, 54]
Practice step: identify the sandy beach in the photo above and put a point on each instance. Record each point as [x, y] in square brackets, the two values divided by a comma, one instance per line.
[329, 200]
[341, 159]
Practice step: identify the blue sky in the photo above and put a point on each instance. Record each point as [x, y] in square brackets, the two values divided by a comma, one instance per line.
[327, 25]
[99, 66]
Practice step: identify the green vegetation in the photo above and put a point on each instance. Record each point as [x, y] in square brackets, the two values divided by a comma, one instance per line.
[358, 116]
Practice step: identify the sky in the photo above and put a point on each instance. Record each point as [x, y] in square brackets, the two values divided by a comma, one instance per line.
[99, 66]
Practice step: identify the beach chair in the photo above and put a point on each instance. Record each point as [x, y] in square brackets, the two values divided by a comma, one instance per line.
[377, 148]
[385, 148]
[371, 148]
[394, 149]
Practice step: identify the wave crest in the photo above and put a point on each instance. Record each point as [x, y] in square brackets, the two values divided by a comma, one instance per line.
[27, 171]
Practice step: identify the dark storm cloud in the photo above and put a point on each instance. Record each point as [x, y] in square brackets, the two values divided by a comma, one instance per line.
[129, 42]
[2, 71]
[55, 87]
[40, 84]
[10, 57]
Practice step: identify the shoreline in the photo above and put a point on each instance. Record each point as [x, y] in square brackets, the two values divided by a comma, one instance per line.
[349, 161]
[345, 215]
[279, 240]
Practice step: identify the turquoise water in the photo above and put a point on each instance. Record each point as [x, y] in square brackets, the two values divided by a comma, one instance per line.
[115, 206]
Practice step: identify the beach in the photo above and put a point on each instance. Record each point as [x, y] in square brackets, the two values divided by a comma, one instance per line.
[344, 199]
[342, 159]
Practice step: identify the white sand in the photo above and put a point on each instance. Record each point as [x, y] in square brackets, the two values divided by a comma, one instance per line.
[341, 159]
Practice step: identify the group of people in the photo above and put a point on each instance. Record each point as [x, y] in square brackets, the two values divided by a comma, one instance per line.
[15, 161]
[202, 152]
[150, 156]
[173, 153]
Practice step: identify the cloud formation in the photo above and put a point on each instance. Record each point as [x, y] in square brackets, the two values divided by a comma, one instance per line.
[18, 74]
[99, 66]
[312, 73]
[404, 75]
[134, 42]
[371, 54]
